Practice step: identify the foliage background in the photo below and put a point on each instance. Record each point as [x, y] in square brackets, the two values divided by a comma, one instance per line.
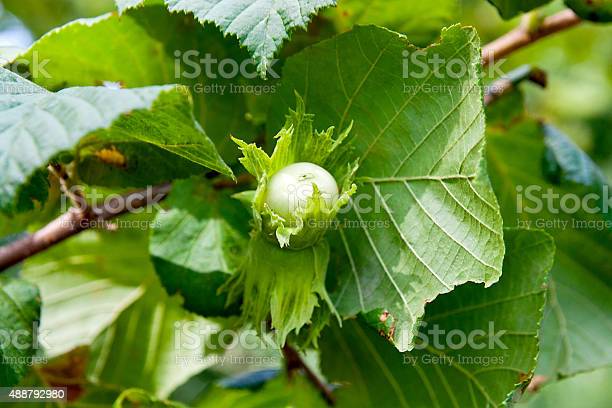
[578, 100]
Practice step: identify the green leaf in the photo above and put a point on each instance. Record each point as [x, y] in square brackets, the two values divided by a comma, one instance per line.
[135, 397]
[588, 390]
[565, 163]
[37, 126]
[433, 221]
[281, 392]
[511, 8]
[150, 346]
[276, 393]
[527, 155]
[42, 16]
[85, 283]
[417, 19]
[19, 317]
[260, 25]
[594, 10]
[145, 43]
[198, 243]
[375, 373]
[104, 304]
[124, 5]
[13, 224]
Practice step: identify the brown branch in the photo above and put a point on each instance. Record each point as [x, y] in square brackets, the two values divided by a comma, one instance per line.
[524, 35]
[295, 363]
[506, 84]
[76, 220]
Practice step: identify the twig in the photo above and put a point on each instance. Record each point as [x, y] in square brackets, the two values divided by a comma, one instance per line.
[76, 220]
[524, 35]
[295, 363]
[504, 85]
[74, 194]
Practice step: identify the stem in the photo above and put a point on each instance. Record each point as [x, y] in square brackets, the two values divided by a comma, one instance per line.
[76, 197]
[524, 35]
[243, 179]
[75, 221]
[295, 363]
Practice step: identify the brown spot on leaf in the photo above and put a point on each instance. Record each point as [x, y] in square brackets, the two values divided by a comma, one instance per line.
[67, 371]
[112, 156]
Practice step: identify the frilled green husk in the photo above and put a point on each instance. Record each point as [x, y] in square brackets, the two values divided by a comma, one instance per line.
[283, 277]
[287, 287]
[298, 142]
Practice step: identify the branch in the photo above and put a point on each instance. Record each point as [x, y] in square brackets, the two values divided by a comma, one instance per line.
[506, 84]
[295, 363]
[75, 221]
[524, 35]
